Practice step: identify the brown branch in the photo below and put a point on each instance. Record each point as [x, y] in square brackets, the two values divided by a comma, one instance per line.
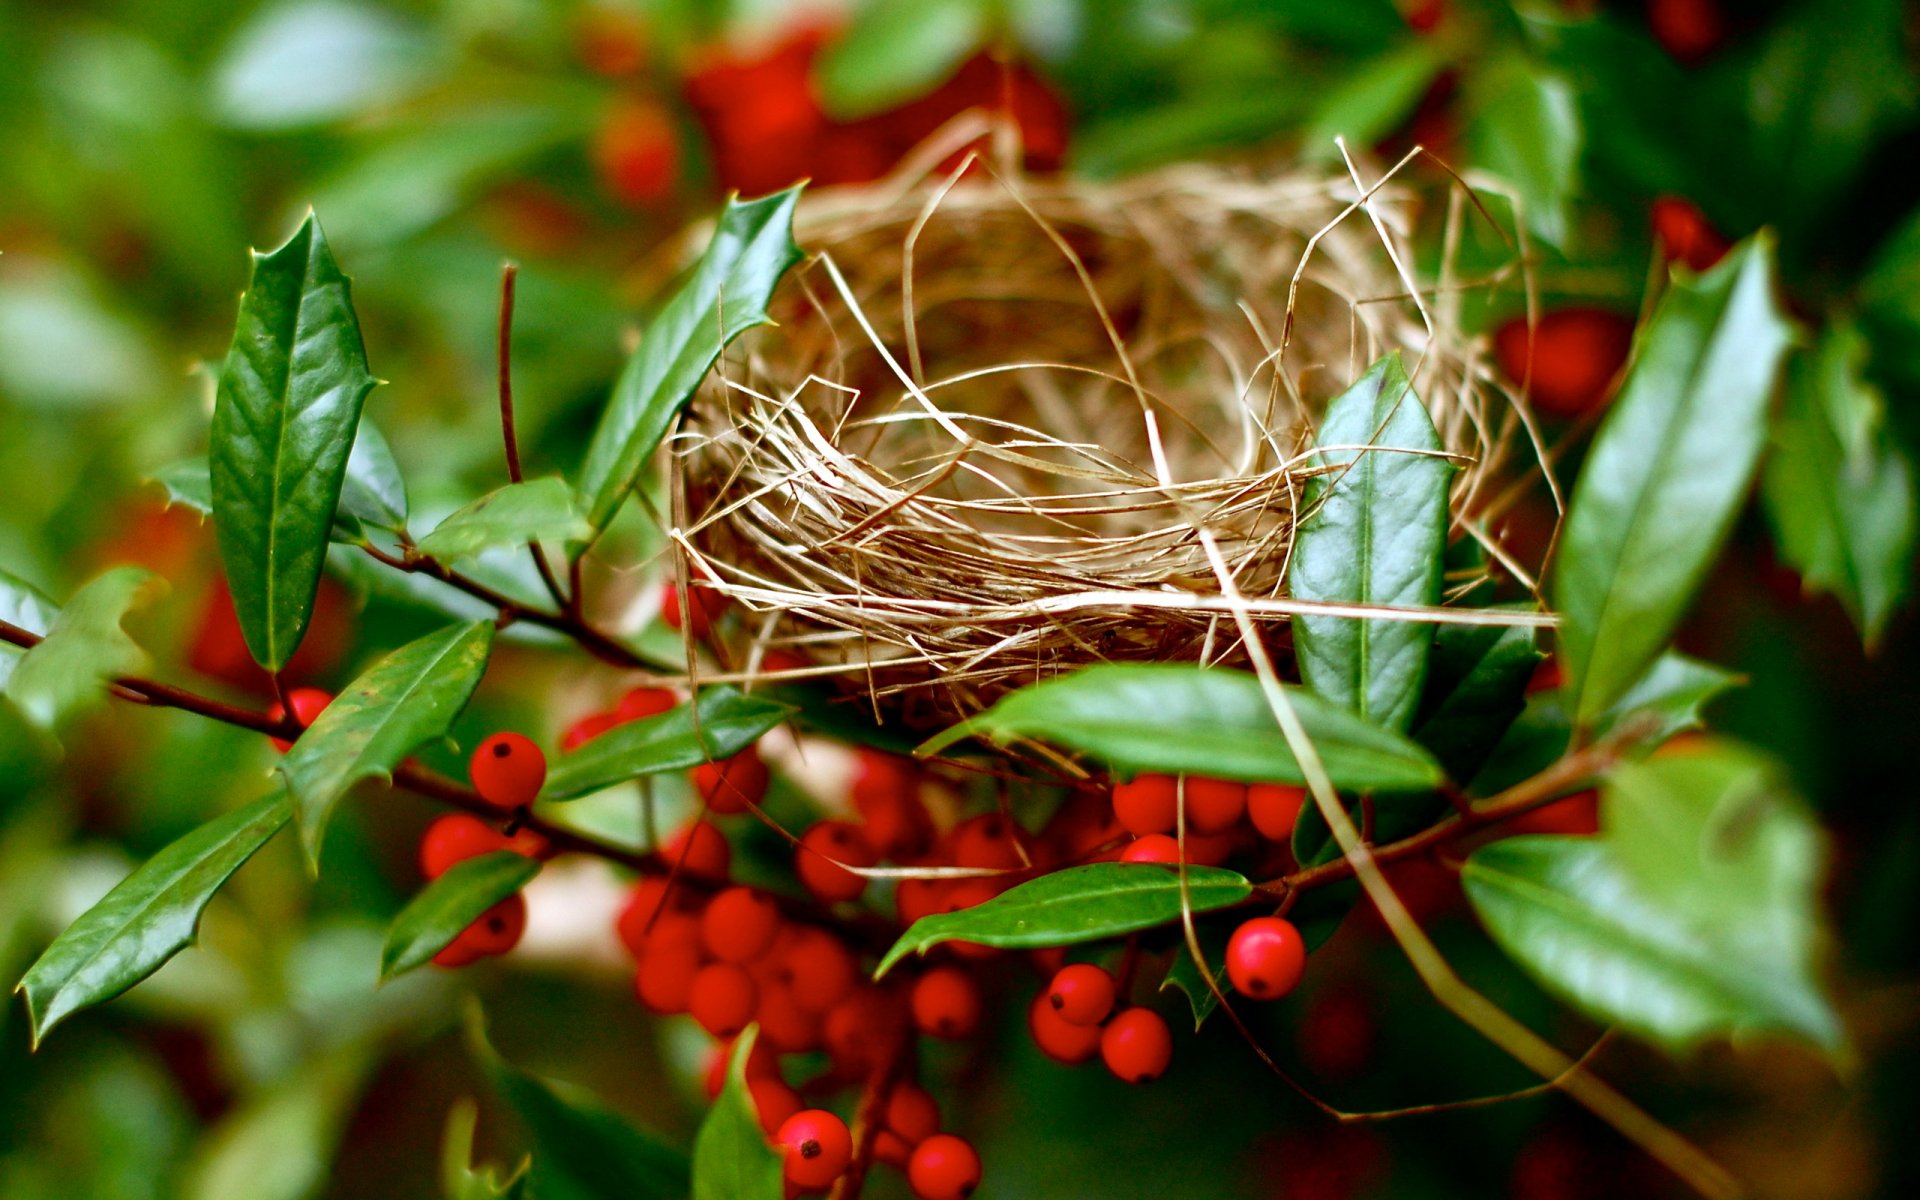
[869, 1117]
[509, 274]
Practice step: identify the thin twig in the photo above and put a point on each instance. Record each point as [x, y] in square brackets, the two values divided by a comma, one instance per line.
[509, 274]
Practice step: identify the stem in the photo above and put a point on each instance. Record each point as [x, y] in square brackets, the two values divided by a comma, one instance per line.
[867, 1119]
[509, 274]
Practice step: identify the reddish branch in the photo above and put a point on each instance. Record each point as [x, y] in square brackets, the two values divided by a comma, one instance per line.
[568, 603]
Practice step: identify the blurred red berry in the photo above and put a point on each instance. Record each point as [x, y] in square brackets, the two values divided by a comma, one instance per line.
[821, 971]
[1685, 235]
[732, 785]
[497, 931]
[308, 703]
[643, 702]
[586, 729]
[943, 1167]
[739, 925]
[1214, 805]
[665, 974]
[701, 849]
[1576, 355]
[636, 153]
[459, 836]
[946, 1003]
[1082, 994]
[1274, 808]
[1147, 804]
[773, 1102]
[610, 40]
[1690, 30]
[822, 850]
[912, 1112]
[723, 998]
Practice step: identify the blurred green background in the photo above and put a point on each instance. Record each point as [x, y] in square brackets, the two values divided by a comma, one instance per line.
[145, 144]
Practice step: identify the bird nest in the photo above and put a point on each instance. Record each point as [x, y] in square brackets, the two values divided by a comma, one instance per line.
[978, 444]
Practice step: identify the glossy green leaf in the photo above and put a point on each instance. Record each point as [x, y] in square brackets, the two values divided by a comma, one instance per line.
[582, 1150]
[151, 916]
[732, 1159]
[449, 904]
[1370, 100]
[84, 650]
[370, 494]
[1526, 129]
[1077, 904]
[407, 698]
[539, 510]
[752, 248]
[1184, 973]
[1375, 532]
[1838, 490]
[1476, 686]
[723, 722]
[1182, 719]
[1694, 915]
[27, 607]
[897, 51]
[284, 422]
[1667, 474]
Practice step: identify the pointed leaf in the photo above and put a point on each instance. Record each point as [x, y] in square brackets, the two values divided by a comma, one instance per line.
[84, 650]
[582, 1150]
[1666, 475]
[1838, 489]
[1476, 686]
[731, 1157]
[723, 722]
[1207, 721]
[447, 905]
[897, 52]
[1184, 973]
[752, 248]
[459, 1178]
[1375, 533]
[407, 698]
[284, 421]
[151, 916]
[371, 493]
[1077, 904]
[539, 510]
[26, 606]
[1526, 128]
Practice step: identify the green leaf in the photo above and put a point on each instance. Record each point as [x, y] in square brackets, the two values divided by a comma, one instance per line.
[721, 723]
[538, 510]
[459, 1180]
[1837, 488]
[752, 248]
[582, 1150]
[731, 1157]
[1394, 817]
[896, 51]
[407, 698]
[151, 916]
[1177, 719]
[370, 494]
[1184, 974]
[1078, 904]
[26, 606]
[284, 421]
[84, 650]
[1370, 100]
[1668, 470]
[1375, 532]
[449, 904]
[1476, 686]
[280, 1143]
[1692, 916]
[1890, 303]
[1526, 128]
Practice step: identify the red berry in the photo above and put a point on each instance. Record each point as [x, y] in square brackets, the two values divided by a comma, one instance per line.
[1265, 958]
[916, 898]
[820, 970]
[497, 931]
[308, 703]
[943, 1167]
[1685, 235]
[702, 848]
[1147, 804]
[1060, 1040]
[821, 851]
[739, 925]
[1273, 808]
[643, 702]
[637, 920]
[818, 1148]
[1137, 1046]
[861, 1027]
[637, 152]
[946, 1003]
[892, 1149]
[966, 894]
[1576, 353]
[912, 1112]
[773, 1101]
[1082, 994]
[664, 980]
[455, 838]
[986, 841]
[586, 729]
[706, 603]
[507, 770]
[785, 1026]
[723, 998]
[1154, 848]
[733, 785]
[1214, 805]
[1687, 29]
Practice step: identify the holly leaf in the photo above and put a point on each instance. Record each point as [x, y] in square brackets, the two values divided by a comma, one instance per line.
[1838, 490]
[25, 606]
[1370, 100]
[752, 248]
[1666, 475]
[284, 420]
[1184, 974]
[731, 1157]
[407, 698]
[1525, 127]
[1077, 904]
[1181, 719]
[538, 510]
[722, 722]
[370, 494]
[1692, 916]
[896, 52]
[447, 905]
[582, 1150]
[1375, 532]
[149, 917]
[84, 650]
[1476, 686]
